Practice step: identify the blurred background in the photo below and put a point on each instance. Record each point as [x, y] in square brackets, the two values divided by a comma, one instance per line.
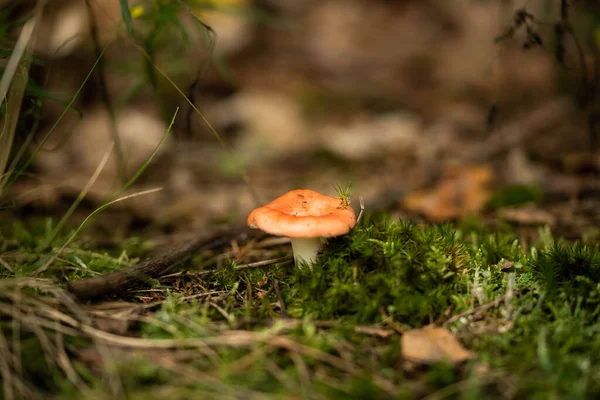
[433, 109]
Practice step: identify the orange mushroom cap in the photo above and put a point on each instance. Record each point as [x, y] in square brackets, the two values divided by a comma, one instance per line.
[304, 213]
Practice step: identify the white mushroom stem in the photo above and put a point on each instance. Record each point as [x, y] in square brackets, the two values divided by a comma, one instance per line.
[306, 249]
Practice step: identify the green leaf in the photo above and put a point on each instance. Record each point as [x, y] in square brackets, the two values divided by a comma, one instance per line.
[127, 16]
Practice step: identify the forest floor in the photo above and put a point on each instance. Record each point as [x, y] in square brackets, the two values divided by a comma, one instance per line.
[474, 272]
[395, 309]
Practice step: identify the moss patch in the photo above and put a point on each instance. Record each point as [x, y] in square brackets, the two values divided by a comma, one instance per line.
[530, 315]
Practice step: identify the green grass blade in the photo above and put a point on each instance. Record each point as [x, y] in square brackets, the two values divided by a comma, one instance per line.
[149, 159]
[79, 198]
[84, 223]
[127, 16]
[111, 199]
[110, 202]
[13, 85]
[18, 172]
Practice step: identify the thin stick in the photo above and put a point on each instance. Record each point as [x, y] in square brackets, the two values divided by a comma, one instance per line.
[362, 209]
[244, 174]
[390, 322]
[265, 263]
[104, 92]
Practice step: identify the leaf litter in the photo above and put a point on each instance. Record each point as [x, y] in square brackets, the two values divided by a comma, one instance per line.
[432, 344]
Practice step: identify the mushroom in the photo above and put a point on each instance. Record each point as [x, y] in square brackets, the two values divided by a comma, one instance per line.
[306, 217]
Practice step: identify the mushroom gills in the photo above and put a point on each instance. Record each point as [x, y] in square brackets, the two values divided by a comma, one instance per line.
[306, 249]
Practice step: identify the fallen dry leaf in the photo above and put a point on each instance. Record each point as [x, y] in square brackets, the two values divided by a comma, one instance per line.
[431, 344]
[462, 191]
[528, 215]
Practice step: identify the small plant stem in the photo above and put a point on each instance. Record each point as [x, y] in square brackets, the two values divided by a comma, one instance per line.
[362, 209]
[120, 157]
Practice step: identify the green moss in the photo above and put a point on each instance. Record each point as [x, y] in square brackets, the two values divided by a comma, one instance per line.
[414, 273]
[29, 249]
[545, 343]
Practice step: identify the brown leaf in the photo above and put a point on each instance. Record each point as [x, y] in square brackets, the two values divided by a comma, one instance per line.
[527, 215]
[462, 191]
[431, 344]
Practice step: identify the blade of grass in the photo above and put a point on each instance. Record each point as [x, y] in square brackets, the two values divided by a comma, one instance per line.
[127, 185]
[38, 92]
[80, 197]
[19, 171]
[245, 177]
[123, 188]
[12, 87]
[24, 38]
[24, 146]
[210, 43]
[103, 91]
[110, 202]
[8, 131]
[85, 221]
[140, 170]
[126, 16]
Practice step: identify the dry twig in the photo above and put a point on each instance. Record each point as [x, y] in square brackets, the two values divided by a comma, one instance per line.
[91, 288]
[266, 263]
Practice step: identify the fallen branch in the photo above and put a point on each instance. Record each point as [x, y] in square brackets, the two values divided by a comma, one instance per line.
[155, 267]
